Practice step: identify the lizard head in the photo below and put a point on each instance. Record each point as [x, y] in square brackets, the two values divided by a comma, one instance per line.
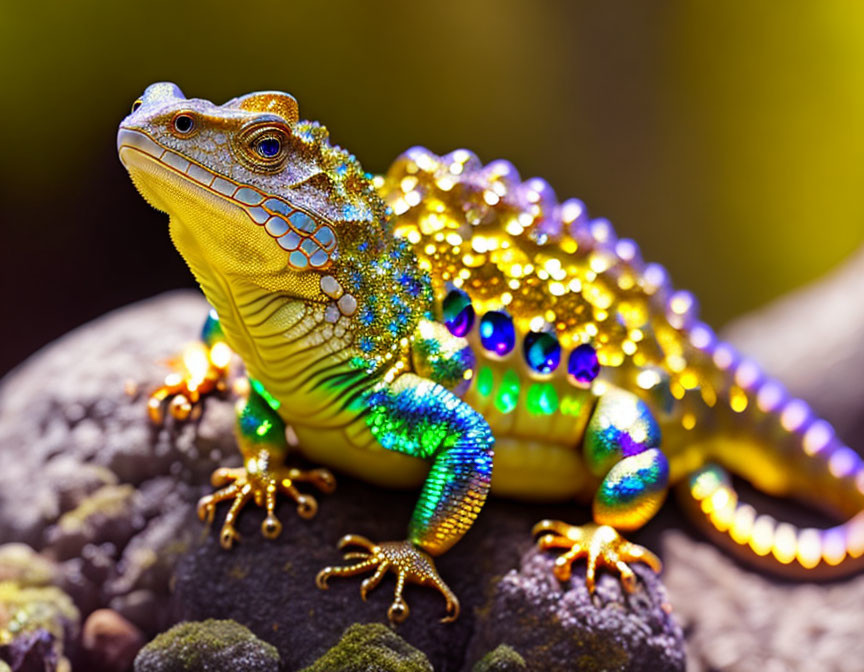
[251, 191]
[255, 194]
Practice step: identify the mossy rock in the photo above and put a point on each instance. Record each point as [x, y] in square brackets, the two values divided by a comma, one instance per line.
[372, 647]
[36, 624]
[207, 646]
[502, 659]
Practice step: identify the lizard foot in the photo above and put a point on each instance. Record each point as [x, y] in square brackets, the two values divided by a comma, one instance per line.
[600, 544]
[263, 488]
[408, 562]
[199, 370]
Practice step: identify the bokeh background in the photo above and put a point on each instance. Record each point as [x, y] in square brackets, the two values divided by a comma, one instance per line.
[727, 138]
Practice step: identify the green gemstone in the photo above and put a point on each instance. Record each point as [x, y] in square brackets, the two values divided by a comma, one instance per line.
[485, 381]
[542, 399]
[508, 393]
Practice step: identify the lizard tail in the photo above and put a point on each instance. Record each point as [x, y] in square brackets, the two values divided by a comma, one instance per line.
[784, 450]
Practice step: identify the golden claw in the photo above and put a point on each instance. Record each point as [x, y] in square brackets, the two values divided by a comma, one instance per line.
[408, 562]
[601, 545]
[200, 370]
[263, 488]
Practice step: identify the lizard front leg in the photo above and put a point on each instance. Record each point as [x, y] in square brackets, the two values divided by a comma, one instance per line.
[621, 445]
[417, 417]
[260, 435]
[202, 368]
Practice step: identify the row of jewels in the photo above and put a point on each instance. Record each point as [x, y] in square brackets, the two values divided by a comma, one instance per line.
[541, 349]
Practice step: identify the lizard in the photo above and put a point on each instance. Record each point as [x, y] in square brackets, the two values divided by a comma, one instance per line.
[451, 326]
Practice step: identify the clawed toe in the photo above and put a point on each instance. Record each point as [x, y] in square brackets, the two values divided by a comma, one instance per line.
[200, 370]
[409, 563]
[600, 545]
[271, 527]
[263, 488]
[227, 536]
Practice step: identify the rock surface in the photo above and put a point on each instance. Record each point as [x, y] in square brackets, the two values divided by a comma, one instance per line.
[211, 646]
[38, 621]
[72, 442]
[269, 586]
[371, 647]
[559, 628]
[502, 659]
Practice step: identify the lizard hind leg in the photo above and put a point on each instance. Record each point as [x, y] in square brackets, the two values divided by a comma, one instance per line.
[621, 445]
[261, 438]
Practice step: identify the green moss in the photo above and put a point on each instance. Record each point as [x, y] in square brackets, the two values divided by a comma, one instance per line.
[111, 501]
[207, 645]
[371, 647]
[502, 659]
[24, 566]
[25, 609]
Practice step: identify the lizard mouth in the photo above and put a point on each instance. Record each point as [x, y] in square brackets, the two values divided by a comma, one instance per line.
[308, 240]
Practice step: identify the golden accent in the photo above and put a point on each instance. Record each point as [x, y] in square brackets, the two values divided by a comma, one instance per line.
[408, 562]
[600, 544]
[199, 370]
[262, 486]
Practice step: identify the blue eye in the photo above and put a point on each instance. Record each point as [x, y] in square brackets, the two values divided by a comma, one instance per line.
[269, 147]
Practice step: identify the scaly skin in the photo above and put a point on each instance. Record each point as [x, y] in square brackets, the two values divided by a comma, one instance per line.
[395, 325]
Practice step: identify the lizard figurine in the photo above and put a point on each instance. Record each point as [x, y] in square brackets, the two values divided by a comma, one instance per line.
[447, 321]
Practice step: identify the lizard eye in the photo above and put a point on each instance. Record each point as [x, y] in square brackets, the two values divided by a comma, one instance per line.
[263, 147]
[183, 123]
[138, 103]
[268, 147]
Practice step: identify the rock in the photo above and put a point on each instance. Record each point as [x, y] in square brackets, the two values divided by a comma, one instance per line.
[557, 627]
[269, 586]
[371, 648]
[21, 564]
[36, 624]
[34, 651]
[85, 478]
[209, 646]
[502, 659]
[109, 641]
[106, 513]
[737, 619]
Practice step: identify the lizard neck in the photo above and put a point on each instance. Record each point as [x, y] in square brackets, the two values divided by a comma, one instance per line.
[285, 342]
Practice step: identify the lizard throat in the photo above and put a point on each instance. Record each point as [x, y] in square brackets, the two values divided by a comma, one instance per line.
[306, 237]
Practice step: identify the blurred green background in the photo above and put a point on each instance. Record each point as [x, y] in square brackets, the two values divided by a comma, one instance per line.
[727, 138]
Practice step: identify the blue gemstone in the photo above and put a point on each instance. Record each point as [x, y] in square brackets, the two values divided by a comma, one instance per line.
[497, 333]
[542, 351]
[583, 364]
[458, 312]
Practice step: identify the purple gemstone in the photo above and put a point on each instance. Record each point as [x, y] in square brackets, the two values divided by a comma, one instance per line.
[458, 312]
[583, 364]
[497, 333]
